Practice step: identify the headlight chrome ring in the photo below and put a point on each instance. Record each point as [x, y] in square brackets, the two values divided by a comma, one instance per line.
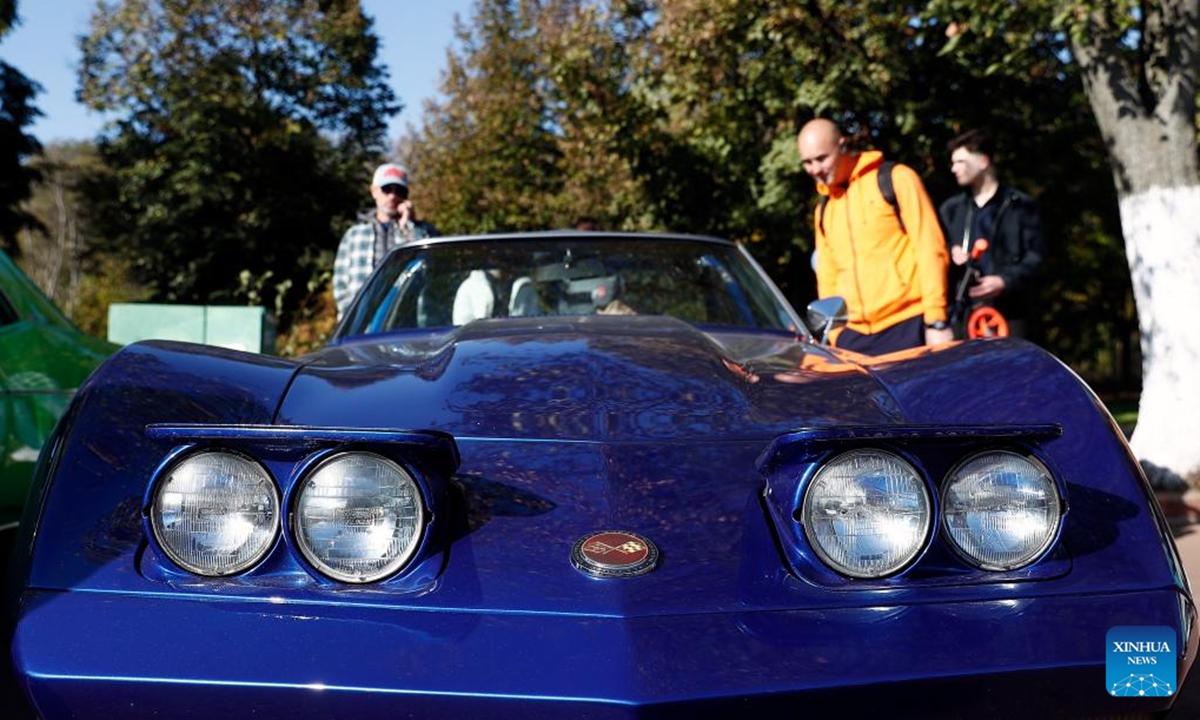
[1000, 510]
[358, 517]
[867, 513]
[215, 513]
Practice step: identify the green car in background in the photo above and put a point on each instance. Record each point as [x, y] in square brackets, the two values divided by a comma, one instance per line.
[43, 359]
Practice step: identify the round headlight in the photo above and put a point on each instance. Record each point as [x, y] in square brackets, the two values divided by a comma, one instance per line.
[215, 513]
[358, 517]
[1000, 510]
[867, 513]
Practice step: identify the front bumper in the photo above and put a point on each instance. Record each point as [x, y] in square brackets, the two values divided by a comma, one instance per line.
[99, 654]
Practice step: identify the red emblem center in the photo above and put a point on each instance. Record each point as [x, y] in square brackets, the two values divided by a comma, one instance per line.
[614, 554]
[615, 549]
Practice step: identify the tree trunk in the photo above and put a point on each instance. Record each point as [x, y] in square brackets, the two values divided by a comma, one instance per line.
[1146, 113]
[1162, 243]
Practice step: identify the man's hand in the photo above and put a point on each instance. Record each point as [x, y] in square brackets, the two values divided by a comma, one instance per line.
[405, 213]
[988, 287]
[938, 337]
[958, 255]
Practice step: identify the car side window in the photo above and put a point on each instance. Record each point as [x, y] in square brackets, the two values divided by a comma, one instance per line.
[399, 307]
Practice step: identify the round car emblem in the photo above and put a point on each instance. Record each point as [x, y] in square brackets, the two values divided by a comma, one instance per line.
[614, 553]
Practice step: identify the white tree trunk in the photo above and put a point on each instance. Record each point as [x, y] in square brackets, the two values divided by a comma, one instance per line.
[1162, 242]
[1144, 99]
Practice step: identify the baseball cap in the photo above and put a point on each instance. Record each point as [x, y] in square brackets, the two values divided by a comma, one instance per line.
[390, 174]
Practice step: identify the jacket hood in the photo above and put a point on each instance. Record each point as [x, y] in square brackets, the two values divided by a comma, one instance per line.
[864, 163]
[593, 378]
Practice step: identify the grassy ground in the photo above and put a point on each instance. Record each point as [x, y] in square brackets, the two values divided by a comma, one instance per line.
[1124, 410]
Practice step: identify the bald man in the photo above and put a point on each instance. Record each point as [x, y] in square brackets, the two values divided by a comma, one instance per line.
[886, 256]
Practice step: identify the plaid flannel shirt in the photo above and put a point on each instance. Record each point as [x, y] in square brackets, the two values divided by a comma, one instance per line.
[356, 255]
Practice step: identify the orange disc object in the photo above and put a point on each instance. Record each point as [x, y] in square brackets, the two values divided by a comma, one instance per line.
[986, 321]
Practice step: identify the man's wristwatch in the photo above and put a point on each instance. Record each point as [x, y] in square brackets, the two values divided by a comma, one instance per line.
[938, 325]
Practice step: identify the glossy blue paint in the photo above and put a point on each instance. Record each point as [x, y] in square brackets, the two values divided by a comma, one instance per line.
[276, 658]
[535, 432]
[435, 448]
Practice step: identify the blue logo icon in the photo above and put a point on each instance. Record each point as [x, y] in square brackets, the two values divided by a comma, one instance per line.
[1140, 661]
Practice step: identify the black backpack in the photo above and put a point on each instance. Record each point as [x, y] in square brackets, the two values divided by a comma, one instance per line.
[885, 189]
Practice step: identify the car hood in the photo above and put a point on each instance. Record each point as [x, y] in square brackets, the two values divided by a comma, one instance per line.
[564, 427]
[592, 378]
[572, 426]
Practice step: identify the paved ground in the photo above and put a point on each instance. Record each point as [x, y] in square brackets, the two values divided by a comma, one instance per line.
[1187, 539]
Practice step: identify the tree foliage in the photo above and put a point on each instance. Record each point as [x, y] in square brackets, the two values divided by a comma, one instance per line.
[494, 136]
[17, 112]
[244, 130]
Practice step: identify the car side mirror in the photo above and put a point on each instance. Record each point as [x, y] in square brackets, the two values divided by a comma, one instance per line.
[827, 314]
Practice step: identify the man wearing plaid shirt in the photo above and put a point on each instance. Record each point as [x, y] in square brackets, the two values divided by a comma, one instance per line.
[393, 222]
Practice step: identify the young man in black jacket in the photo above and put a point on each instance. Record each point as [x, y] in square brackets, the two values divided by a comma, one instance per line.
[1008, 219]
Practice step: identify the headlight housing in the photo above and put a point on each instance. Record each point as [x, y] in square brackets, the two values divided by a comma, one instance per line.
[215, 513]
[867, 513]
[1000, 510]
[358, 517]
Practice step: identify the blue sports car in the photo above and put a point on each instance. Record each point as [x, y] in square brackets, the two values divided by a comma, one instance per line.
[592, 475]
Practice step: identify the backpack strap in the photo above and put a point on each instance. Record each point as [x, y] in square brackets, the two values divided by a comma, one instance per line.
[886, 189]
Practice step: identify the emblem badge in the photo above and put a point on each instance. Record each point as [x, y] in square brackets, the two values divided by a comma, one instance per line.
[614, 553]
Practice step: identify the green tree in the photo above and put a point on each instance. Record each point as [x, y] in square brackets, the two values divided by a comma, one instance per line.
[546, 121]
[243, 132]
[589, 61]
[1139, 63]
[487, 156]
[16, 146]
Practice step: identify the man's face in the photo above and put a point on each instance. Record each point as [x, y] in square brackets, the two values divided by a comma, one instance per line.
[388, 199]
[968, 167]
[824, 158]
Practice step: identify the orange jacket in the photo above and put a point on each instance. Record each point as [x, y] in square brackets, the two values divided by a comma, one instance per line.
[887, 275]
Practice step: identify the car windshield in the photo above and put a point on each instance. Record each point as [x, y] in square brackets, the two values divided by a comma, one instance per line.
[449, 283]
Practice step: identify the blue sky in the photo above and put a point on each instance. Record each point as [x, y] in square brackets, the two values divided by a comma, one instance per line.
[414, 35]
